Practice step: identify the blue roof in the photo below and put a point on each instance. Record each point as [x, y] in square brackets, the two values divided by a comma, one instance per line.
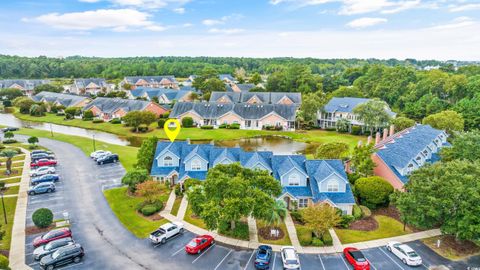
[251, 159]
[284, 163]
[298, 191]
[343, 104]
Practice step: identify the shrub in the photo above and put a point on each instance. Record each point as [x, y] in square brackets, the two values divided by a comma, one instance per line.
[346, 220]
[352, 178]
[116, 121]
[132, 178]
[161, 123]
[165, 115]
[149, 210]
[240, 231]
[60, 114]
[9, 141]
[356, 130]
[2, 146]
[97, 121]
[223, 126]
[7, 103]
[178, 190]
[234, 126]
[187, 122]
[4, 262]
[327, 239]
[87, 115]
[42, 218]
[73, 111]
[365, 211]
[317, 242]
[357, 212]
[206, 127]
[143, 129]
[304, 236]
[191, 182]
[297, 216]
[37, 110]
[330, 129]
[373, 191]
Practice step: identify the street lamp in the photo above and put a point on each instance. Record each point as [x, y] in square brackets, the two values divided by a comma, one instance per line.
[2, 190]
[93, 139]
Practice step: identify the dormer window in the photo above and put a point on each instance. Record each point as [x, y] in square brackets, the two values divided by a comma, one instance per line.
[332, 186]
[293, 180]
[196, 165]
[168, 161]
[419, 158]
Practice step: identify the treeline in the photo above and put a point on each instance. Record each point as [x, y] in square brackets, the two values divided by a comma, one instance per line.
[117, 68]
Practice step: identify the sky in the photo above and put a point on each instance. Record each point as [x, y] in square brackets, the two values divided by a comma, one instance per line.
[421, 29]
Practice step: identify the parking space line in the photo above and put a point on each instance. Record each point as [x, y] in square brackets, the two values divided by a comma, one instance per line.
[320, 258]
[274, 258]
[69, 266]
[248, 262]
[171, 238]
[218, 265]
[199, 256]
[34, 263]
[381, 249]
[371, 264]
[344, 262]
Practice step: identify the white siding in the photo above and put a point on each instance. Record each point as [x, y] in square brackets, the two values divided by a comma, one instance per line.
[174, 159]
[302, 178]
[188, 164]
[322, 186]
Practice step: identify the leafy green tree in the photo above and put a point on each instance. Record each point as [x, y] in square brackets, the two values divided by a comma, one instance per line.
[240, 74]
[470, 110]
[277, 213]
[256, 78]
[373, 191]
[361, 161]
[373, 114]
[88, 115]
[24, 104]
[134, 177]
[42, 218]
[333, 150]
[443, 195]
[187, 122]
[10, 93]
[137, 118]
[196, 198]
[37, 110]
[9, 135]
[146, 153]
[465, 145]
[150, 190]
[231, 192]
[347, 91]
[320, 218]
[343, 125]
[33, 140]
[294, 78]
[446, 120]
[74, 111]
[311, 104]
[402, 123]
[47, 88]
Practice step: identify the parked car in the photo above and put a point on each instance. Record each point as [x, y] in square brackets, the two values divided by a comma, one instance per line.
[42, 171]
[45, 178]
[51, 247]
[51, 236]
[165, 232]
[356, 258]
[7, 129]
[112, 158]
[199, 244]
[263, 257]
[64, 255]
[405, 253]
[33, 152]
[290, 258]
[100, 156]
[42, 156]
[97, 153]
[43, 162]
[42, 188]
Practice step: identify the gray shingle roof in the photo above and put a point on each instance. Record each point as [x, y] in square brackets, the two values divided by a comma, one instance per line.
[26, 84]
[110, 105]
[264, 97]
[347, 104]
[64, 99]
[150, 79]
[83, 83]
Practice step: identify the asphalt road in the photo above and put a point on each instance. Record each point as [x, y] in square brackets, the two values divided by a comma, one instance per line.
[108, 245]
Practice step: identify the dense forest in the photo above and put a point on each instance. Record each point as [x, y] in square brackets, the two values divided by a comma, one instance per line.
[116, 68]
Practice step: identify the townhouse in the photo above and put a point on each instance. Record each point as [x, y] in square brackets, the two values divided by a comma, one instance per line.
[240, 87]
[90, 86]
[399, 154]
[60, 99]
[304, 181]
[151, 81]
[342, 108]
[285, 98]
[164, 96]
[227, 78]
[110, 108]
[26, 86]
[248, 116]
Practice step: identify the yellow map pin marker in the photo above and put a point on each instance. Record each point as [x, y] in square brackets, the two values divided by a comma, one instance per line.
[172, 134]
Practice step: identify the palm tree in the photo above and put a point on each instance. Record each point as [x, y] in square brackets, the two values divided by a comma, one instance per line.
[9, 154]
[277, 213]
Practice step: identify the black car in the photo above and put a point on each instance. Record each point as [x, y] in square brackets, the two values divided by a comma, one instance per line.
[42, 156]
[45, 178]
[108, 159]
[35, 152]
[64, 255]
[51, 247]
[7, 129]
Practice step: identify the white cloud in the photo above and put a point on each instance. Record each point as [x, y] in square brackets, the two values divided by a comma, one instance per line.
[228, 31]
[143, 4]
[223, 20]
[179, 10]
[467, 7]
[90, 1]
[119, 20]
[458, 22]
[366, 22]
[210, 22]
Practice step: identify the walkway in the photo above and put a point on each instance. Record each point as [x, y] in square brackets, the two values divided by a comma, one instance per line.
[292, 232]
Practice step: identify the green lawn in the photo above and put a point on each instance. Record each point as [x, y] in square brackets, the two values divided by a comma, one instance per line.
[124, 208]
[315, 136]
[176, 205]
[240, 232]
[387, 227]
[10, 205]
[128, 154]
[11, 181]
[17, 172]
[15, 158]
[285, 241]
[12, 190]
[193, 220]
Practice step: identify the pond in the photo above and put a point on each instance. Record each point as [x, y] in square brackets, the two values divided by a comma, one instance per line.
[276, 144]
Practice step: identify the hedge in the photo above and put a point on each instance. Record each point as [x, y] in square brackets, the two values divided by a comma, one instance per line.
[42, 218]
[357, 212]
[206, 127]
[4, 262]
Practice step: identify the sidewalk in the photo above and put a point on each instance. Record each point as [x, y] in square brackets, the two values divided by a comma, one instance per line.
[17, 247]
[252, 229]
[183, 208]
[292, 232]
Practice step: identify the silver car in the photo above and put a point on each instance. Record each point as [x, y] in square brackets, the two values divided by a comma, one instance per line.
[51, 247]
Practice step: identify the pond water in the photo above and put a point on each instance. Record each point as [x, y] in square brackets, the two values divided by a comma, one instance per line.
[277, 145]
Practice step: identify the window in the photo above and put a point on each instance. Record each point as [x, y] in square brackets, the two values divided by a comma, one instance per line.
[302, 203]
[196, 165]
[332, 186]
[168, 161]
[293, 180]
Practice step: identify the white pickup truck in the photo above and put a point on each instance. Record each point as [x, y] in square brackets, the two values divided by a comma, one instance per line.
[166, 231]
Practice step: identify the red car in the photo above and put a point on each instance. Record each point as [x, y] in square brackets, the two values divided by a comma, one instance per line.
[51, 236]
[356, 259]
[43, 162]
[199, 243]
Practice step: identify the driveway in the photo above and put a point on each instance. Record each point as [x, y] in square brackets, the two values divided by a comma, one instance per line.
[108, 245]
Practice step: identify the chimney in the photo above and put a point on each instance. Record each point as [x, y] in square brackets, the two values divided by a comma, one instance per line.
[392, 130]
[385, 133]
[377, 137]
[369, 139]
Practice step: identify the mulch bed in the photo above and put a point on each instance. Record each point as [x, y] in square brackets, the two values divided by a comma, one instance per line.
[364, 224]
[461, 247]
[35, 230]
[154, 217]
[4, 252]
[264, 232]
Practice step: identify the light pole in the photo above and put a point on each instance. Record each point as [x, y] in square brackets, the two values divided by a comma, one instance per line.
[3, 205]
[51, 130]
[93, 139]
